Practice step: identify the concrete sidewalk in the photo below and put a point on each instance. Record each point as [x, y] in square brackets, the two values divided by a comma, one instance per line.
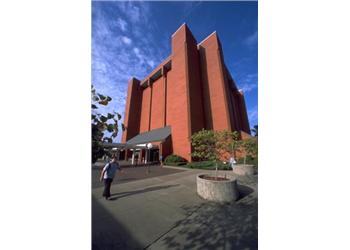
[166, 213]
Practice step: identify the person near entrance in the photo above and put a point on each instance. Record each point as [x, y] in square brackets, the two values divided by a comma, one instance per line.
[107, 175]
[232, 162]
[161, 160]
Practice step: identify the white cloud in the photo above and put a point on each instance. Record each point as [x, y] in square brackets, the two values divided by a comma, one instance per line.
[133, 10]
[151, 63]
[139, 55]
[144, 58]
[134, 13]
[252, 39]
[249, 82]
[122, 24]
[126, 40]
[248, 87]
[117, 57]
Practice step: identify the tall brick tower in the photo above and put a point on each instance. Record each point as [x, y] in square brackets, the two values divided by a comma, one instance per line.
[190, 90]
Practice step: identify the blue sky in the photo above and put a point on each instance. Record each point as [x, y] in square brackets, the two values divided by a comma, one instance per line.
[132, 38]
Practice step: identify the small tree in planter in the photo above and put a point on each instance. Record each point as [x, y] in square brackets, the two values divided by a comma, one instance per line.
[206, 146]
[228, 142]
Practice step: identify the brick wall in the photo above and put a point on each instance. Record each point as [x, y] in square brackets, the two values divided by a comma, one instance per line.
[197, 92]
[132, 110]
[214, 94]
[178, 107]
[145, 109]
[157, 115]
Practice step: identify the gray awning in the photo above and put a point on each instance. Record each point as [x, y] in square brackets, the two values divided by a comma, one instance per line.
[122, 146]
[159, 134]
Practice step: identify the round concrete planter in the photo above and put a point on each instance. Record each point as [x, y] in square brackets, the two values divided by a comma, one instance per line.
[243, 169]
[221, 191]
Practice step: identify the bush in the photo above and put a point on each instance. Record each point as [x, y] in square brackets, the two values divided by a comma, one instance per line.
[210, 165]
[174, 159]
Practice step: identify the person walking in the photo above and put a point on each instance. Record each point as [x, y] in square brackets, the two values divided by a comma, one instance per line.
[107, 175]
[161, 160]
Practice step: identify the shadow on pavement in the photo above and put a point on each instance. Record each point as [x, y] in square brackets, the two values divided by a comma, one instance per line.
[145, 190]
[244, 191]
[216, 226]
[108, 233]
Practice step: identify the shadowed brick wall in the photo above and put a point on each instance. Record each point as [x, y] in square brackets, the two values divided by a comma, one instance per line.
[157, 116]
[178, 101]
[132, 110]
[145, 109]
[214, 95]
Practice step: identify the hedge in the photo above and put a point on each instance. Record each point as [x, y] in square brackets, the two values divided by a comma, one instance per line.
[174, 159]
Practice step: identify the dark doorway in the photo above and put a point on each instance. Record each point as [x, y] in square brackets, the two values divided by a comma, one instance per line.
[121, 155]
[154, 154]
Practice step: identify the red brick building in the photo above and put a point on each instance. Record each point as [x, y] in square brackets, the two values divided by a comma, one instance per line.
[192, 89]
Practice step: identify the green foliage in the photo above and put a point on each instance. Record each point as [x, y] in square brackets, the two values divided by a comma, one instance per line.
[205, 146]
[174, 159]
[101, 123]
[208, 165]
[228, 141]
[176, 163]
[208, 145]
[251, 147]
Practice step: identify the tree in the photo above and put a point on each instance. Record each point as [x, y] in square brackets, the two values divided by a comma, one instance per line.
[228, 142]
[255, 130]
[211, 145]
[100, 123]
[204, 144]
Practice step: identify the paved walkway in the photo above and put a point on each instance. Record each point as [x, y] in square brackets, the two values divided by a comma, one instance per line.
[132, 174]
[165, 212]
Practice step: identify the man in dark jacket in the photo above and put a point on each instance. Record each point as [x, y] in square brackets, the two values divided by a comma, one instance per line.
[107, 175]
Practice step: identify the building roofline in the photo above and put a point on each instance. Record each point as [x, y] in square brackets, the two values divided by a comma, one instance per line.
[178, 29]
[207, 38]
[164, 62]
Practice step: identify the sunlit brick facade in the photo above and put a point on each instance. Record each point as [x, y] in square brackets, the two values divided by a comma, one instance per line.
[192, 89]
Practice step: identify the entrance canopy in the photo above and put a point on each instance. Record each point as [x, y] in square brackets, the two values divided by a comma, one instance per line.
[122, 146]
[159, 134]
[140, 141]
